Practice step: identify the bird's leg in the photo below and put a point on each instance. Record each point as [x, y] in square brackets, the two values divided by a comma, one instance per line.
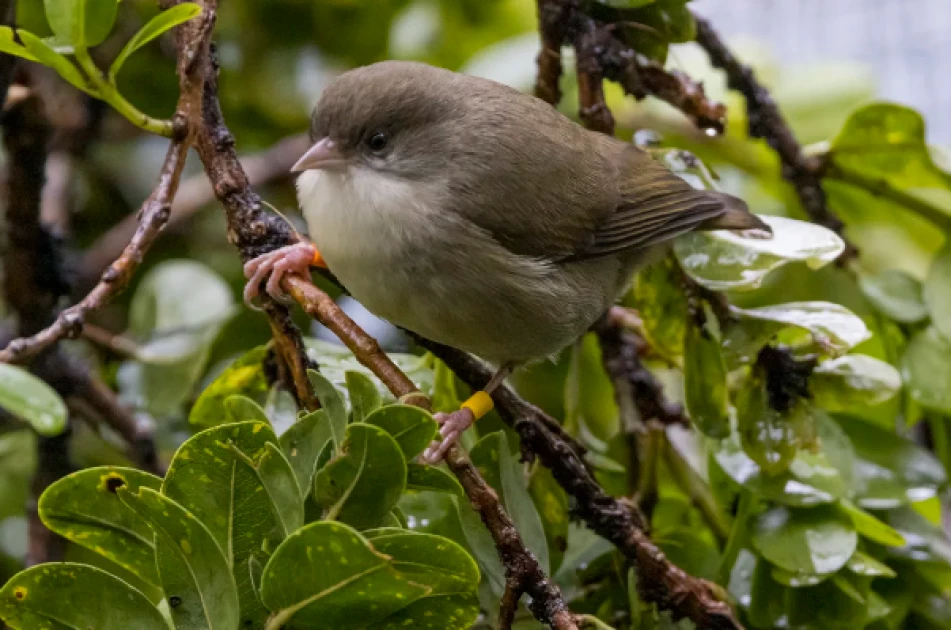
[294, 259]
[452, 425]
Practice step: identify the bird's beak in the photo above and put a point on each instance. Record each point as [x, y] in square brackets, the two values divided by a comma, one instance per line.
[323, 155]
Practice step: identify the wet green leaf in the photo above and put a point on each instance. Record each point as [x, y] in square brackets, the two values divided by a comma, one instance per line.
[924, 541]
[553, 508]
[245, 376]
[806, 540]
[810, 479]
[926, 369]
[937, 292]
[302, 444]
[895, 294]
[834, 328]
[69, 596]
[364, 395]
[863, 564]
[81, 29]
[853, 380]
[438, 564]
[332, 403]
[355, 594]
[769, 437]
[705, 384]
[191, 565]
[723, 260]
[660, 301]
[889, 470]
[32, 400]
[207, 478]
[164, 21]
[83, 507]
[412, 428]
[362, 484]
[871, 527]
[423, 477]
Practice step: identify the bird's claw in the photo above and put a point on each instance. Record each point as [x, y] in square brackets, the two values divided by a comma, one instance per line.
[273, 266]
[451, 426]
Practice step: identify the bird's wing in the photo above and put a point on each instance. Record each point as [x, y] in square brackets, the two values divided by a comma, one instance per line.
[655, 205]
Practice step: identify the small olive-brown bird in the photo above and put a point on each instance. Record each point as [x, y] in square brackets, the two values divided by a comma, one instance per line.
[478, 216]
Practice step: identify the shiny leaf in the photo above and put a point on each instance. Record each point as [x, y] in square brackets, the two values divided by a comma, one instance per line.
[723, 260]
[422, 477]
[164, 21]
[353, 594]
[364, 395]
[808, 540]
[81, 29]
[302, 444]
[926, 370]
[32, 400]
[362, 484]
[244, 376]
[705, 384]
[332, 403]
[853, 380]
[83, 507]
[895, 294]
[834, 328]
[69, 596]
[412, 428]
[937, 292]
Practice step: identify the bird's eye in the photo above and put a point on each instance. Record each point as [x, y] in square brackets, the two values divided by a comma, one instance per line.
[377, 142]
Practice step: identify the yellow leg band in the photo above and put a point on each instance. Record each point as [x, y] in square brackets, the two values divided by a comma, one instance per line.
[479, 404]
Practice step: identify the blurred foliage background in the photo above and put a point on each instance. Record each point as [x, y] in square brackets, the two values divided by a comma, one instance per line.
[185, 322]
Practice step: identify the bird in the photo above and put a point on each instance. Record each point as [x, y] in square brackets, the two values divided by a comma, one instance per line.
[478, 216]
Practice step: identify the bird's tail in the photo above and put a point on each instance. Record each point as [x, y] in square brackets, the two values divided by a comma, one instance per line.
[737, 216]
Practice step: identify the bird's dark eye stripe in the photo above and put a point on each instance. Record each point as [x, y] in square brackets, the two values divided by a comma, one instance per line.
[377, 141]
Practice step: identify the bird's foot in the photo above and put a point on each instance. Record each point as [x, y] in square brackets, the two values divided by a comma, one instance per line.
[451, 426]
[292, 259]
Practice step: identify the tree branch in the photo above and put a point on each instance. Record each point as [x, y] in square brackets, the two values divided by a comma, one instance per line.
[659, 580]
[767, 122]
[153, 214]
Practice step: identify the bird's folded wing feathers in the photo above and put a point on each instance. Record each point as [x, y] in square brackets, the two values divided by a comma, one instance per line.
[655, 205]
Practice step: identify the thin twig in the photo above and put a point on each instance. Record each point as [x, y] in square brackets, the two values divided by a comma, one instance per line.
[153, 214]
[194, 194]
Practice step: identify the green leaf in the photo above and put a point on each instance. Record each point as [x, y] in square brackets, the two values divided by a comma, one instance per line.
[206, 478]
[853, 380]
[924, 540]
[723, 260]
[807, 540]
[164, 21]
[770, 438]
[810, 479]
[362, 484]
[191, 565]
[926, 369]
[277, 478]
[244, 376]
[422, 477]
[179, 307]
[863, 564]
[83, 507]
[69, 596]
[884, 145]
[352, 594]
[890, 470]
[302, 444]
[937, 292]
[438, 564]
[501, 470]
[32, 400]
[330, 401]
[554, 510]
[870, 527]
[87, 29]
[895, 294]
[9, 46]
[243, 409]
[797, 580]
[364, 395]
[834, 328]
[705, 386]
[660, 301]
[412, 428]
